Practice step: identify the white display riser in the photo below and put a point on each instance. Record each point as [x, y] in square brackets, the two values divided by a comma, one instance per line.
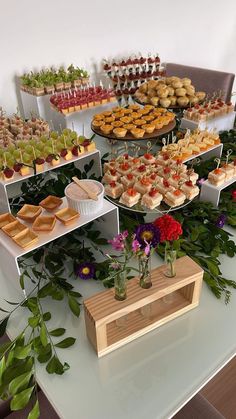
[79, 121]
[221, 123]
[211, 193]
[215, 151]
[8, 188]
[39, 105]
[107, 222]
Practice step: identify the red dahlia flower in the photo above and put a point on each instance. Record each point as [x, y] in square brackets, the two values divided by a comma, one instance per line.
[170, 229]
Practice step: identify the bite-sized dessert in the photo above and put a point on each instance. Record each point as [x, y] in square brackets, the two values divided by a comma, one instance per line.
[148, 158]
[130, 197]
[109, 165]
[106, 129]
[152, 198]
[124, 168]
[128, 180]
[140, 170]
[190, 189]
[110, 176]
[233, 165]
[162, 159]
[191, 175]
[143, 185]
[164, 186]
[175, 180]
[137, 132]
[228, 170]
[114, 189]
[175, 198]
[217, 177]
[120, 132]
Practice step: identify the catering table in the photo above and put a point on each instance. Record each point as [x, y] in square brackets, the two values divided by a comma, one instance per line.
[153, 376]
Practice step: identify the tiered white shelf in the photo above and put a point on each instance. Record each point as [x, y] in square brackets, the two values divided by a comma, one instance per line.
[80, 161]
[10, 252]
[211, 193]
[220, 123]
[214, 151]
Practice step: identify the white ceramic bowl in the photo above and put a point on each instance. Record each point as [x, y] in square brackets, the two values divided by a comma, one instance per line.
[85, 206]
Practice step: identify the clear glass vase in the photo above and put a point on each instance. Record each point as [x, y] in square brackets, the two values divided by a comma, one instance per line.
[170, 258]
[120, 285]
[145, 273]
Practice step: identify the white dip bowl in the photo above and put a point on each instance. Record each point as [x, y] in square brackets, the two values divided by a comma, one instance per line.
[78, 199]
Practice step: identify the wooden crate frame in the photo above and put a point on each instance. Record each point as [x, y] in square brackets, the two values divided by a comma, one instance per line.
[111, 323]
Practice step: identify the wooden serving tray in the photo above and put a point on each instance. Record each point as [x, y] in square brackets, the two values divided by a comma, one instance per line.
[111, 323]
[6, 219]
[67, 215]
[130, 137]
[14, 228]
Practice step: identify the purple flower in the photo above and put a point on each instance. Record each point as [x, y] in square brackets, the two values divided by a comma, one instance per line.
[135, 245]
[85, 270]
[147, 233]
[220, 222]
[201, 181]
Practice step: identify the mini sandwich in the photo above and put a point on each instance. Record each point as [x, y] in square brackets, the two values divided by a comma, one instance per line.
[110, 176]
[151, 199]
[228, 170]
[114, 189]
[130, 197]
[128, 180]
[148, 158]
[216, 177]
[143, 185]
[190, 189]
[175, 198]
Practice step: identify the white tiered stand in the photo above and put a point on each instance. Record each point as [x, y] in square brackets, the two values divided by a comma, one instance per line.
[108, 224]
[211, 193]
[7, 187]
[10, 252]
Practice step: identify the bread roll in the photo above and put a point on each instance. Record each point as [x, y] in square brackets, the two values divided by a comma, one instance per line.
[154, 100]
[186, 81]
[177, 84]
[165, 102]
[200, 95]
[183, 100]
[173, 100]
[190, 90]
[162, 92]
[180, 92]
[171, 91]
[152, 84]
[193, 100]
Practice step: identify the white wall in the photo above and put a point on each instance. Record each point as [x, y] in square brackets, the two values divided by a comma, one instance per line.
[51, 32]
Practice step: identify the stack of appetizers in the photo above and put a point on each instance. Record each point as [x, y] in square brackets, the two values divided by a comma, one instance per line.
[133, 120]
[208, 110]
[168, 92]
[221, 174]
[193, 143]
[82, 98]
[149, 180]
[15, 128]
[23, 157]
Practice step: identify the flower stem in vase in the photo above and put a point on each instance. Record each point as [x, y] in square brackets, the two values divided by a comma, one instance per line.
[120, 285]
[145, 277]
[170, 258]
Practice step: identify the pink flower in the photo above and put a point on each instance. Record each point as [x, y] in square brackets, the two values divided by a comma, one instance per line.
[116, 244]
[135, 245]
[147, 248]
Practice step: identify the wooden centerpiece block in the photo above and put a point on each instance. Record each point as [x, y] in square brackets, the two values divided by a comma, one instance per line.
[111, 323]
